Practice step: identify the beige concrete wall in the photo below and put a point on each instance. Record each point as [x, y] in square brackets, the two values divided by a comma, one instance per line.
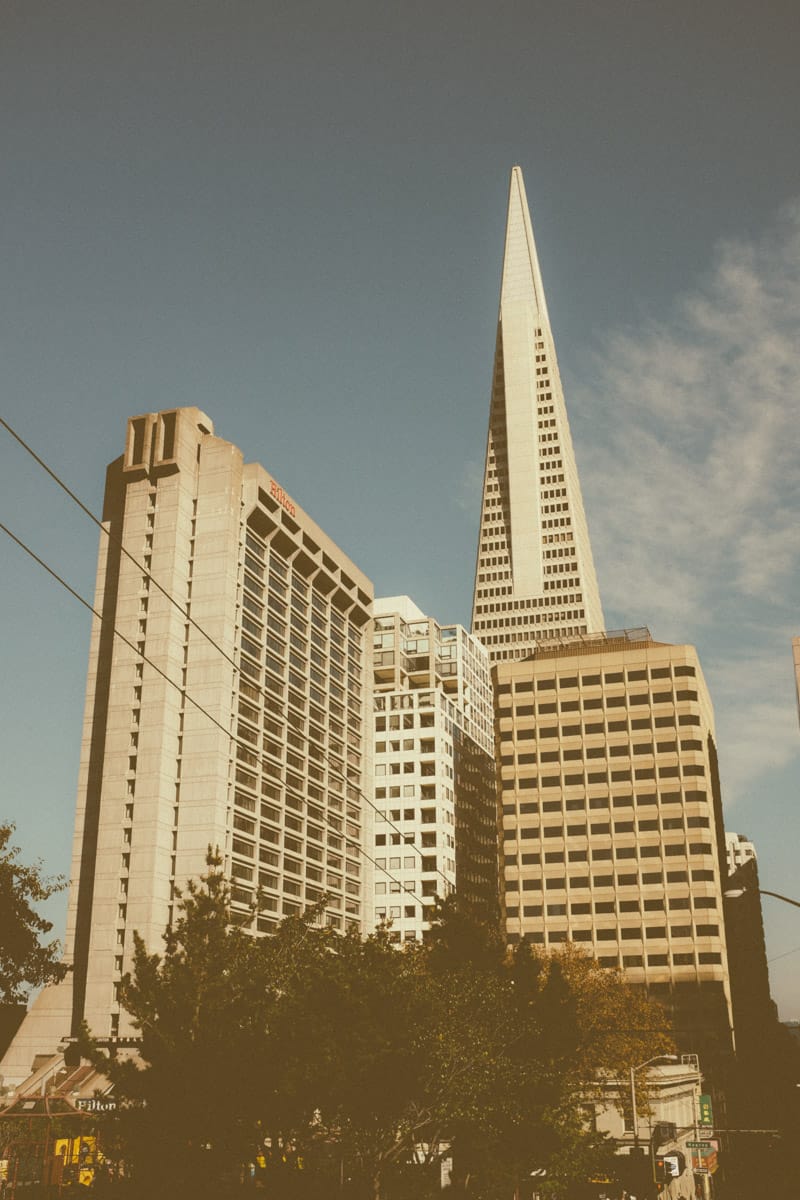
[610, 837]
[178, 706]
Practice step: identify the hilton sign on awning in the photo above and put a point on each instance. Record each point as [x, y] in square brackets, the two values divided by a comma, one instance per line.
[97, 1104]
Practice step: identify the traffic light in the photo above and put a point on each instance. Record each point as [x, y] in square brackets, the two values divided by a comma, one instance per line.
[677, 1163]
[668, 1166]
[663, 1132]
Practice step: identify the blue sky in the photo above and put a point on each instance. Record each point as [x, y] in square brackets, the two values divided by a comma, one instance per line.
[291, 215]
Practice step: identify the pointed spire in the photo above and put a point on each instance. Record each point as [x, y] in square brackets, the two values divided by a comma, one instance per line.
[535, 575]
[522, 278]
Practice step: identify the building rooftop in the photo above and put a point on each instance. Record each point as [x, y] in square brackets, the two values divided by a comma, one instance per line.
[593, 643]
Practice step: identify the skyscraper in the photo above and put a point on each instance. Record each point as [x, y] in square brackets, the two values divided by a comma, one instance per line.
[435, 787]
[232, 711]
[612, 821]
[535, 574]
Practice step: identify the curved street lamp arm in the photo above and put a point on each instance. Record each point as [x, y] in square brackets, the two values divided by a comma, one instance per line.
[778, 896]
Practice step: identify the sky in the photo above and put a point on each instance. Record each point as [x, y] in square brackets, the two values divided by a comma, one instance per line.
[290, 213]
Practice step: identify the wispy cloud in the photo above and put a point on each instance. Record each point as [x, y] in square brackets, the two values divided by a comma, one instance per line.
[757, 729]
[469, 488]
[691, 475]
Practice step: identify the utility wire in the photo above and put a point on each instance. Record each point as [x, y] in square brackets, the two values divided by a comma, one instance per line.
[116, 541]
[177, 686]
[785, 954]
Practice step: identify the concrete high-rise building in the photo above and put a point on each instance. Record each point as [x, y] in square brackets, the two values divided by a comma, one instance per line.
[232, 711]
[612, 822]
[535, 576]
[739, 850]
[435, 787]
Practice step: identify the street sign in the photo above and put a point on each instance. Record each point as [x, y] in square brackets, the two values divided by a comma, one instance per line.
[699, 1145]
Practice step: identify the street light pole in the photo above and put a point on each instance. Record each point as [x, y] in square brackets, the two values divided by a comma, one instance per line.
[778, 896]
[634, 1113]
[734, 893]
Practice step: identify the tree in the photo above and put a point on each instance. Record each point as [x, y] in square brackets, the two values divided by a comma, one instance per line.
[559, 1025]
[456, 1047]
[342, 1065]
[350, 1029]
[206, 1089]
[586, 1027]
[26, 962]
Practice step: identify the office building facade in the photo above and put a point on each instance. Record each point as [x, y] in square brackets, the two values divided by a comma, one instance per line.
[435, 827]
[612, 824]
[228, 695]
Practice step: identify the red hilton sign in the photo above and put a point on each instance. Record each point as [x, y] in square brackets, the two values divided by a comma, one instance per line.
[280, 495]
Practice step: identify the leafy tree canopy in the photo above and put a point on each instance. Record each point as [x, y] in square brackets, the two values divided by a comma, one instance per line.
[336, 1065]
[26, 961]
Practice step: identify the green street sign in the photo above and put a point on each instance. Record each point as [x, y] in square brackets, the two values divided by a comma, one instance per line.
[706, 1114]
[699, 1145]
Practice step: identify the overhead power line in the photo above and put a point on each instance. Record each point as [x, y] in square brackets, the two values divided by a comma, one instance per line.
[178, 687]
[785, 954]
[116, 541]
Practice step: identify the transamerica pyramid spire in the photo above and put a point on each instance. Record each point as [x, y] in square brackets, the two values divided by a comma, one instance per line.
[535, 575]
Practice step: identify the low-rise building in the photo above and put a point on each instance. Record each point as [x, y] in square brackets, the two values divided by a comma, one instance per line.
[654, 1115]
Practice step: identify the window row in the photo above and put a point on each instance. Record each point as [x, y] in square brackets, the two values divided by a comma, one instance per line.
[595, 679]
[414, 862]
[584, 908]
[603, 828]
[606, 853]
[613, 750]
[629, 933]
[679, 959]
[558, 883]
[523, 783]
[636, 725]
[578, 803]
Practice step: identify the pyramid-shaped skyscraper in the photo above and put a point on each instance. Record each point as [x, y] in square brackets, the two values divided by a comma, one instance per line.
[535, 577]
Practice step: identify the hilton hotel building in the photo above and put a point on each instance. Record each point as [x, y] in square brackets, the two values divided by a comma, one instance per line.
[228, 704]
